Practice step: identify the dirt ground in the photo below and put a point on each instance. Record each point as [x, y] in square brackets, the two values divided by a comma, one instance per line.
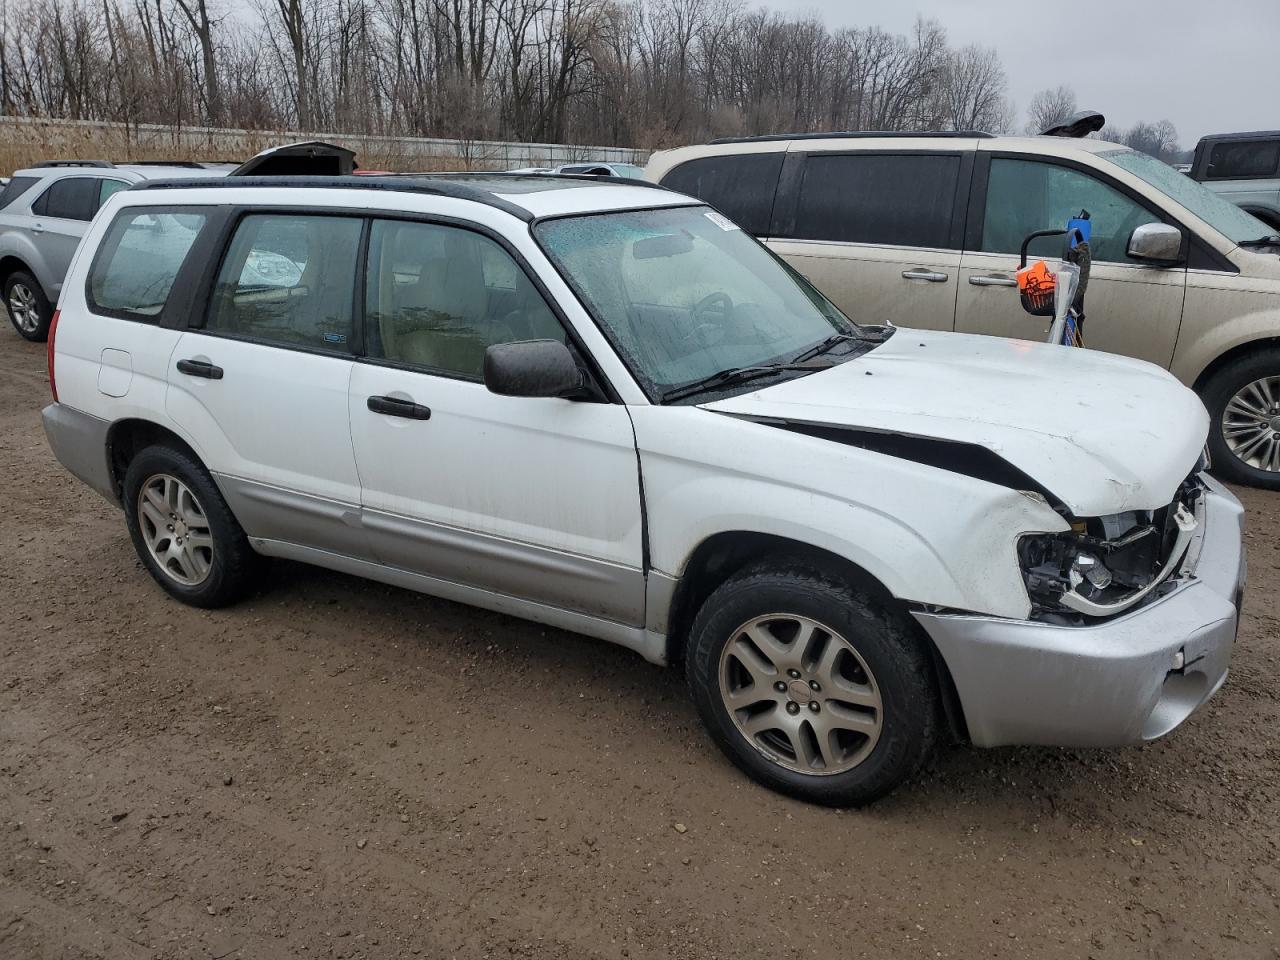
[342, 769]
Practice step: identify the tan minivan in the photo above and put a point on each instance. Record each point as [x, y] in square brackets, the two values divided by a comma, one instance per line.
[924, 230]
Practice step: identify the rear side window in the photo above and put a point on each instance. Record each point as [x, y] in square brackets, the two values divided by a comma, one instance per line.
[139, 259]
[14, 189]
[741, 186]
[289, 279]
[1243, 159]
[903, 201]
[72, 198]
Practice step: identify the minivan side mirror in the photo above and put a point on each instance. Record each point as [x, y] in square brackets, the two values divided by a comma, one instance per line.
[532, 368]
[1156, 243]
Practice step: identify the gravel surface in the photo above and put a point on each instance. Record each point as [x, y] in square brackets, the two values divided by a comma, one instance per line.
[341, 769]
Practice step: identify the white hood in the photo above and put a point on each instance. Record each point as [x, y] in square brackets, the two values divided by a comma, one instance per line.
[1103, 433]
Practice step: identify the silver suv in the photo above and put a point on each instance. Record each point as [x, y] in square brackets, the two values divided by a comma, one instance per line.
[45, 210]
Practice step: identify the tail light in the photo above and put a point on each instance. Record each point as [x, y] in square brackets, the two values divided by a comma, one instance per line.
[53, 332]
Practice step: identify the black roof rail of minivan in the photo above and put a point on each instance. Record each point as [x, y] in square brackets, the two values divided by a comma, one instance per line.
[841, 134]
[73, 163]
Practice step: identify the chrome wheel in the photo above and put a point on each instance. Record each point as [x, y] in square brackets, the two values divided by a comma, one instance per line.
[1251, 424]
[24, 308]
[801, 694]
[175, 529]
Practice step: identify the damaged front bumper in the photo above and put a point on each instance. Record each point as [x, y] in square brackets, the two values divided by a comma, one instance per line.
[1127, 679]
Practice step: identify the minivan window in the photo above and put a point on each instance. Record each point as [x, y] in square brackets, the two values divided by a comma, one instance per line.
[1243, 159]
[1223, 215]
[72, 198]
[15, 188]
[108, 188]
[1024, 196]
[139, 259]
[439, 296]
[741, 186]
[683, 293]
[904, 200]
[289, 279]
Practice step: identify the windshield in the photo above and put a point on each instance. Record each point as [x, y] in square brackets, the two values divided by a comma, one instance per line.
[683, 293]
[1220, 214]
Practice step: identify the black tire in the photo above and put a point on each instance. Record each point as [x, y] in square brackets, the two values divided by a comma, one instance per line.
[1217, 392]
[883, 638]
[22, 285]
[235, 569]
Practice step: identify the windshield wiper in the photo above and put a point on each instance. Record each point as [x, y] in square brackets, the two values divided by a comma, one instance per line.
[1271, 240]
[824, 346]
[733, 375]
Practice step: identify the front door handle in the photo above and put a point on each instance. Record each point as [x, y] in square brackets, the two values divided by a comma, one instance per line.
[993, 281]
[396, 407]
[37, 228]
[200, 368]
[919, 273]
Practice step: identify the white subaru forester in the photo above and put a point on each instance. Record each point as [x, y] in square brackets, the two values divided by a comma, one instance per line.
[604, 407]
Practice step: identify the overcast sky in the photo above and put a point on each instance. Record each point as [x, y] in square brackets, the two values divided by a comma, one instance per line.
[1210, 67]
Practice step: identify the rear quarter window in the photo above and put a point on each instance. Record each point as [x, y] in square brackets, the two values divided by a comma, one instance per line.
[138, 260]
[741, 186]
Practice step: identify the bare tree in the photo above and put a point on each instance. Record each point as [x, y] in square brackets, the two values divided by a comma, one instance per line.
[1049, 107]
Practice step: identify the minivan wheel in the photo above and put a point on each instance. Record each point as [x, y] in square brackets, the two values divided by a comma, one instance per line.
[184, 532]
[812, 687]
[1243, 399]
[29, 309]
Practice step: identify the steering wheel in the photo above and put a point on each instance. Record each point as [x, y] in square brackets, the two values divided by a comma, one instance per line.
[702, 330]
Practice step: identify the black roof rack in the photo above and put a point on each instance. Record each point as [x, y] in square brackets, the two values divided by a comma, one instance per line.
[536, 177]
[840, 134]
[73, 163]
[188, 164]
[441, 185]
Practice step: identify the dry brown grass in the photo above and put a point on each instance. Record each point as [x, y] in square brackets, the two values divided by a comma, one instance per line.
[25, 143]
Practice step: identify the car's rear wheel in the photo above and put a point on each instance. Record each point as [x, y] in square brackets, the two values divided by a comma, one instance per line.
[28, 307]
[184, 532]
[1243, 399]
[813, 688]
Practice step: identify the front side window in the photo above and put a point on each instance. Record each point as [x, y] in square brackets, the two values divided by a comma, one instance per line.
[438, 296]
[289, 279]
[15, 188]
[1243, 159]
[139, 259]
[1024, 196]
[71, 198]
[906, 200]
[741, 186]
[683, 293]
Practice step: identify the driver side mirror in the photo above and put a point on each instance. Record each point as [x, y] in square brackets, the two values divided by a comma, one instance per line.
[1156, 243]
[532, 368]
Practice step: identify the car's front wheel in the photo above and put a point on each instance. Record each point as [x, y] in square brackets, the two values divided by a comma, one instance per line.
[28, 307]
[1243, 399]
[184, 532]
[812, 687]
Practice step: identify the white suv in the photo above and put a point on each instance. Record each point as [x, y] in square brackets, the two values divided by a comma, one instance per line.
[604, 407]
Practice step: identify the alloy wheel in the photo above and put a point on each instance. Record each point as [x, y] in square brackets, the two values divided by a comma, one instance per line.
[175, 529]
[801, 693]
[1251, 424]
[23, 308]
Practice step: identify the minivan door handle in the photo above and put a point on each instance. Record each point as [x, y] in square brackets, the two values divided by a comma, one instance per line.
[933, 276]
[396, 407]
[993, 281]
[200, 368]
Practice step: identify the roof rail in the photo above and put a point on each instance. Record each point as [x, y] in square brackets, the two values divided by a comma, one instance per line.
[73, 163]
[506, 175]
[838, 134]
[187, 164]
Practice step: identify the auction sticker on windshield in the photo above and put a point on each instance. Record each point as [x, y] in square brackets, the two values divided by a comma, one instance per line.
[721, 221]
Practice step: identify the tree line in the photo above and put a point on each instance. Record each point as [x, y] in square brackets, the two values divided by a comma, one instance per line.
[645, 73]
[639, 73]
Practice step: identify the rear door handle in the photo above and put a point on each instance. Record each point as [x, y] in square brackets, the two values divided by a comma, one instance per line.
[396, 407]
[993, 281]
[200, 368]
[933, 276]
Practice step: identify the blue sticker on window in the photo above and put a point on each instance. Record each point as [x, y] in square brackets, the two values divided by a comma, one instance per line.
[335, 338]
